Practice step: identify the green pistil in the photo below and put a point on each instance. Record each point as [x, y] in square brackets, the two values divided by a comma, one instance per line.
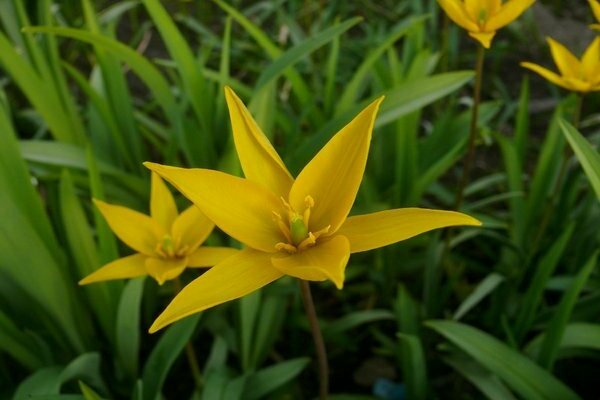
[298, 230]
[167, 245]
[482, 15]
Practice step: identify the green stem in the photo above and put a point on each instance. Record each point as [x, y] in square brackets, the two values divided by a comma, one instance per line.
[189, 348]
[468, 161]
[311, 314]
[559, 181]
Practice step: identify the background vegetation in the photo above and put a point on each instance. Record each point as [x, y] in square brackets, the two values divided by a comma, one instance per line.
[510, 310]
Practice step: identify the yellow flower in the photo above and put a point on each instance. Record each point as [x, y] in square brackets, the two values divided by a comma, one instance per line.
[596, 10]
[291, 227]
[482, 18]
[579, 76]
[166, 243]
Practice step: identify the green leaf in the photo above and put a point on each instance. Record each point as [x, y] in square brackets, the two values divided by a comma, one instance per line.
[414, 367]
[248, 312]
[525, 377]
[577, 335]
[486, 382]
[354, 319]
[587, 155]
[535, 291]
[88, 393]
[265, 381]
[84, 252]
[352, 89]
[164, 354]
[128, 326]
[556, 327]
[485, 287]
[301, 50]
[18, 345]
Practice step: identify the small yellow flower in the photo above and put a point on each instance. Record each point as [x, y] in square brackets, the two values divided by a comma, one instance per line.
[482, 18]
[298, 227]
[579, 76]
[166, 243]
[595, 4]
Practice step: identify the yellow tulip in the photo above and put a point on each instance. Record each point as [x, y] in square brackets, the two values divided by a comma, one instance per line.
[166, 242]
[577, 75]
[595, 4]
[297, 227]
[482, 18]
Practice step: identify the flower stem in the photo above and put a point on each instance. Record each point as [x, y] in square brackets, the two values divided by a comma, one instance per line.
[189, 348]
[311, 314]
[468, 161]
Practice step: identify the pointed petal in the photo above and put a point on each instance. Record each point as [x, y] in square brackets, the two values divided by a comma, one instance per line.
[241, 208]
[370, 231]
[324, 261]
[595, 27]
[508, 12]
[191, 228]
[567, 63]
[138, 231]
[122, 268]
[591, 60]
[595, 5]
[484, 38]
[163, 269]
[578, 85]
[457, 13]
[473, 9]
[162, 204]
[209, 256]
[547, 74]
[259, 160]
[333, 176]
[237, 276]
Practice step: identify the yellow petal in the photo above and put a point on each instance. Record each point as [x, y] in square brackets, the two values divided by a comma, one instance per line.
[237, 276]
[547, 74]
[370, 231]
[567, 63]
[591, 60]
[595, 5]
[122, 268]
[162, 204]
[578, 85]
[259, 160]
[457, 13]
[484, 38]
[163, 269]
[333, 176]
[209, 256]
[191, 228]
[241, 208]
[324, 261]
[595, 27]
[508, 12]
[474, 9]
[138, 231]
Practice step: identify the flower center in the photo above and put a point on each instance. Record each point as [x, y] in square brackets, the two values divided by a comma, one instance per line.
[295, 228]
[166, 248]
[483, 15]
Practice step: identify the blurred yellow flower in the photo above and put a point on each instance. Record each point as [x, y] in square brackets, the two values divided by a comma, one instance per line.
[291, 227]
[482, 18]
[166, 242]
[595, 4]
[574, 74]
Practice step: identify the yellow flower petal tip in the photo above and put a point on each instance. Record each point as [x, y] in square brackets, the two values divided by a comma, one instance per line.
[163, 240]
[483, 18]
[575, 74]
[296, 227]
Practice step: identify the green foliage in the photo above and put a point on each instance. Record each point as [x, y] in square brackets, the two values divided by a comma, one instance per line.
[88, 92]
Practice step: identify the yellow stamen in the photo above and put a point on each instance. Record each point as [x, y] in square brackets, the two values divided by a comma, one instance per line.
[286, 247]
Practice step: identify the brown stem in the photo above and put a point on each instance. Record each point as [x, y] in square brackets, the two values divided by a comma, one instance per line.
[468, 161]
[189, 349]
[311, 314]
